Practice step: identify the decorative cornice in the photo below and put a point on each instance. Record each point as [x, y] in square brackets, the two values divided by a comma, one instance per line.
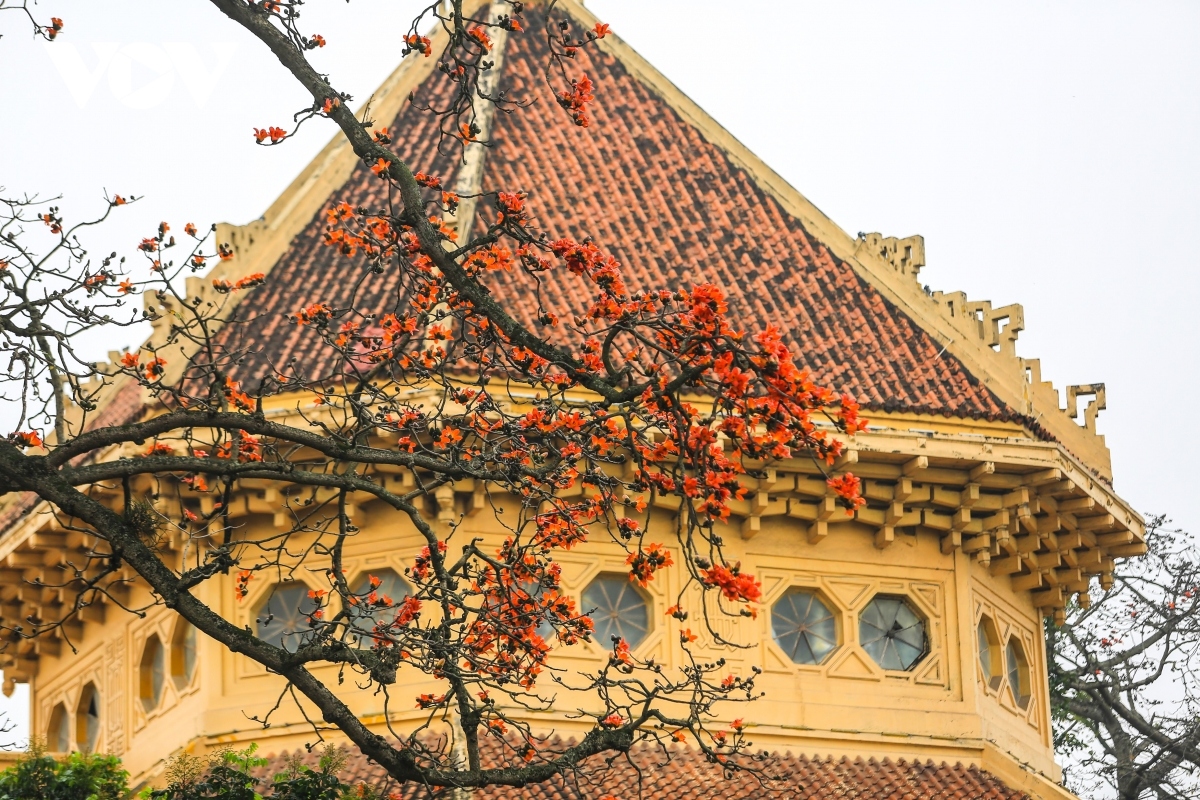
[1025, 509]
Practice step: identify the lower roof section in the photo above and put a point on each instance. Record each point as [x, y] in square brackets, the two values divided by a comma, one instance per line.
[680, 773]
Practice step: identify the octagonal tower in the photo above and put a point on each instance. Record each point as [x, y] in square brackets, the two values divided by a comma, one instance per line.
[910, 630]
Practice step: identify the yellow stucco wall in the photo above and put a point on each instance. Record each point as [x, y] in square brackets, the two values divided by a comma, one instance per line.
[940, 710]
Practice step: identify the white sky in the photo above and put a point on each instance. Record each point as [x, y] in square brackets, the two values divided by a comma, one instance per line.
[1046, 151]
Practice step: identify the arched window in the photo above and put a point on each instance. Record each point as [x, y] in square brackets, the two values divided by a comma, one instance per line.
[87, 719]
[804, 626]
[989, 652]
[183, 653]
[1018, 671]
[58, 734]
[150, 673]
[388, 590]
[892, 633]
[283, 618]
[617, 608]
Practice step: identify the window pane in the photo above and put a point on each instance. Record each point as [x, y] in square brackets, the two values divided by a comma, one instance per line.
[1014, 673]
[283, 619]
[93, 722]
[152, 668]
[60, 729]
[804, 627]
[87, 719]
[187, 645]
[183, 653]
[892, 633]
[616, 609]
[985, 651]
[1014, 657]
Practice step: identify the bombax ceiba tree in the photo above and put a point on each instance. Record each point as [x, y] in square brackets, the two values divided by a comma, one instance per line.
[1123, 677]
[577, 426]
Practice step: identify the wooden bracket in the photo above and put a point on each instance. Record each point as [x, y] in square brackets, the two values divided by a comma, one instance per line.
[846, 459]
[444, 495]
[751, 527]
[951, 541]
[478, 499]
[986, 468]
[885, 536]
[1024, 583]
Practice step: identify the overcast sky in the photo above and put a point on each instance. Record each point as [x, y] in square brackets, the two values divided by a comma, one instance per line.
[1046, 151]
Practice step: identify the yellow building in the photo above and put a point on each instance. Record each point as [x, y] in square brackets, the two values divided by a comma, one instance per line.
[912, 630]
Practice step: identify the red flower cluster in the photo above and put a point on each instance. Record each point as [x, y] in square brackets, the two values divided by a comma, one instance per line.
[315, 314]
[26, 439]
[480, 36]
[735, 585]
[575, 101]
[416, 44]
[150, 370]
[242, 583]
[53, 221]
[643, 563]
[275, 134]
[225, 286]
[849, 488]
[428, 181]
[234, 394]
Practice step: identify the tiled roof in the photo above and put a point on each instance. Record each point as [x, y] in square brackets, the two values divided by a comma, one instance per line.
[649, 774]
[124, 406]
[670, 205]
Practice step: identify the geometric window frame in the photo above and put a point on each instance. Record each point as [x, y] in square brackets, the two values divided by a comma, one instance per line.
[1016, 671]
[184, 653]
[806, 626]
[152, 672]
[617, 607]
[989, 652]
[87, 719]
[893, 632]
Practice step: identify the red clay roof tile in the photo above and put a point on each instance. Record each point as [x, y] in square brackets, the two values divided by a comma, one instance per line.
[124, 406]
[684, 774]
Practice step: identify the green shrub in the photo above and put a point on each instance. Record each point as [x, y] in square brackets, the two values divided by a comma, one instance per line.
[227, 775]
[37, 776]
